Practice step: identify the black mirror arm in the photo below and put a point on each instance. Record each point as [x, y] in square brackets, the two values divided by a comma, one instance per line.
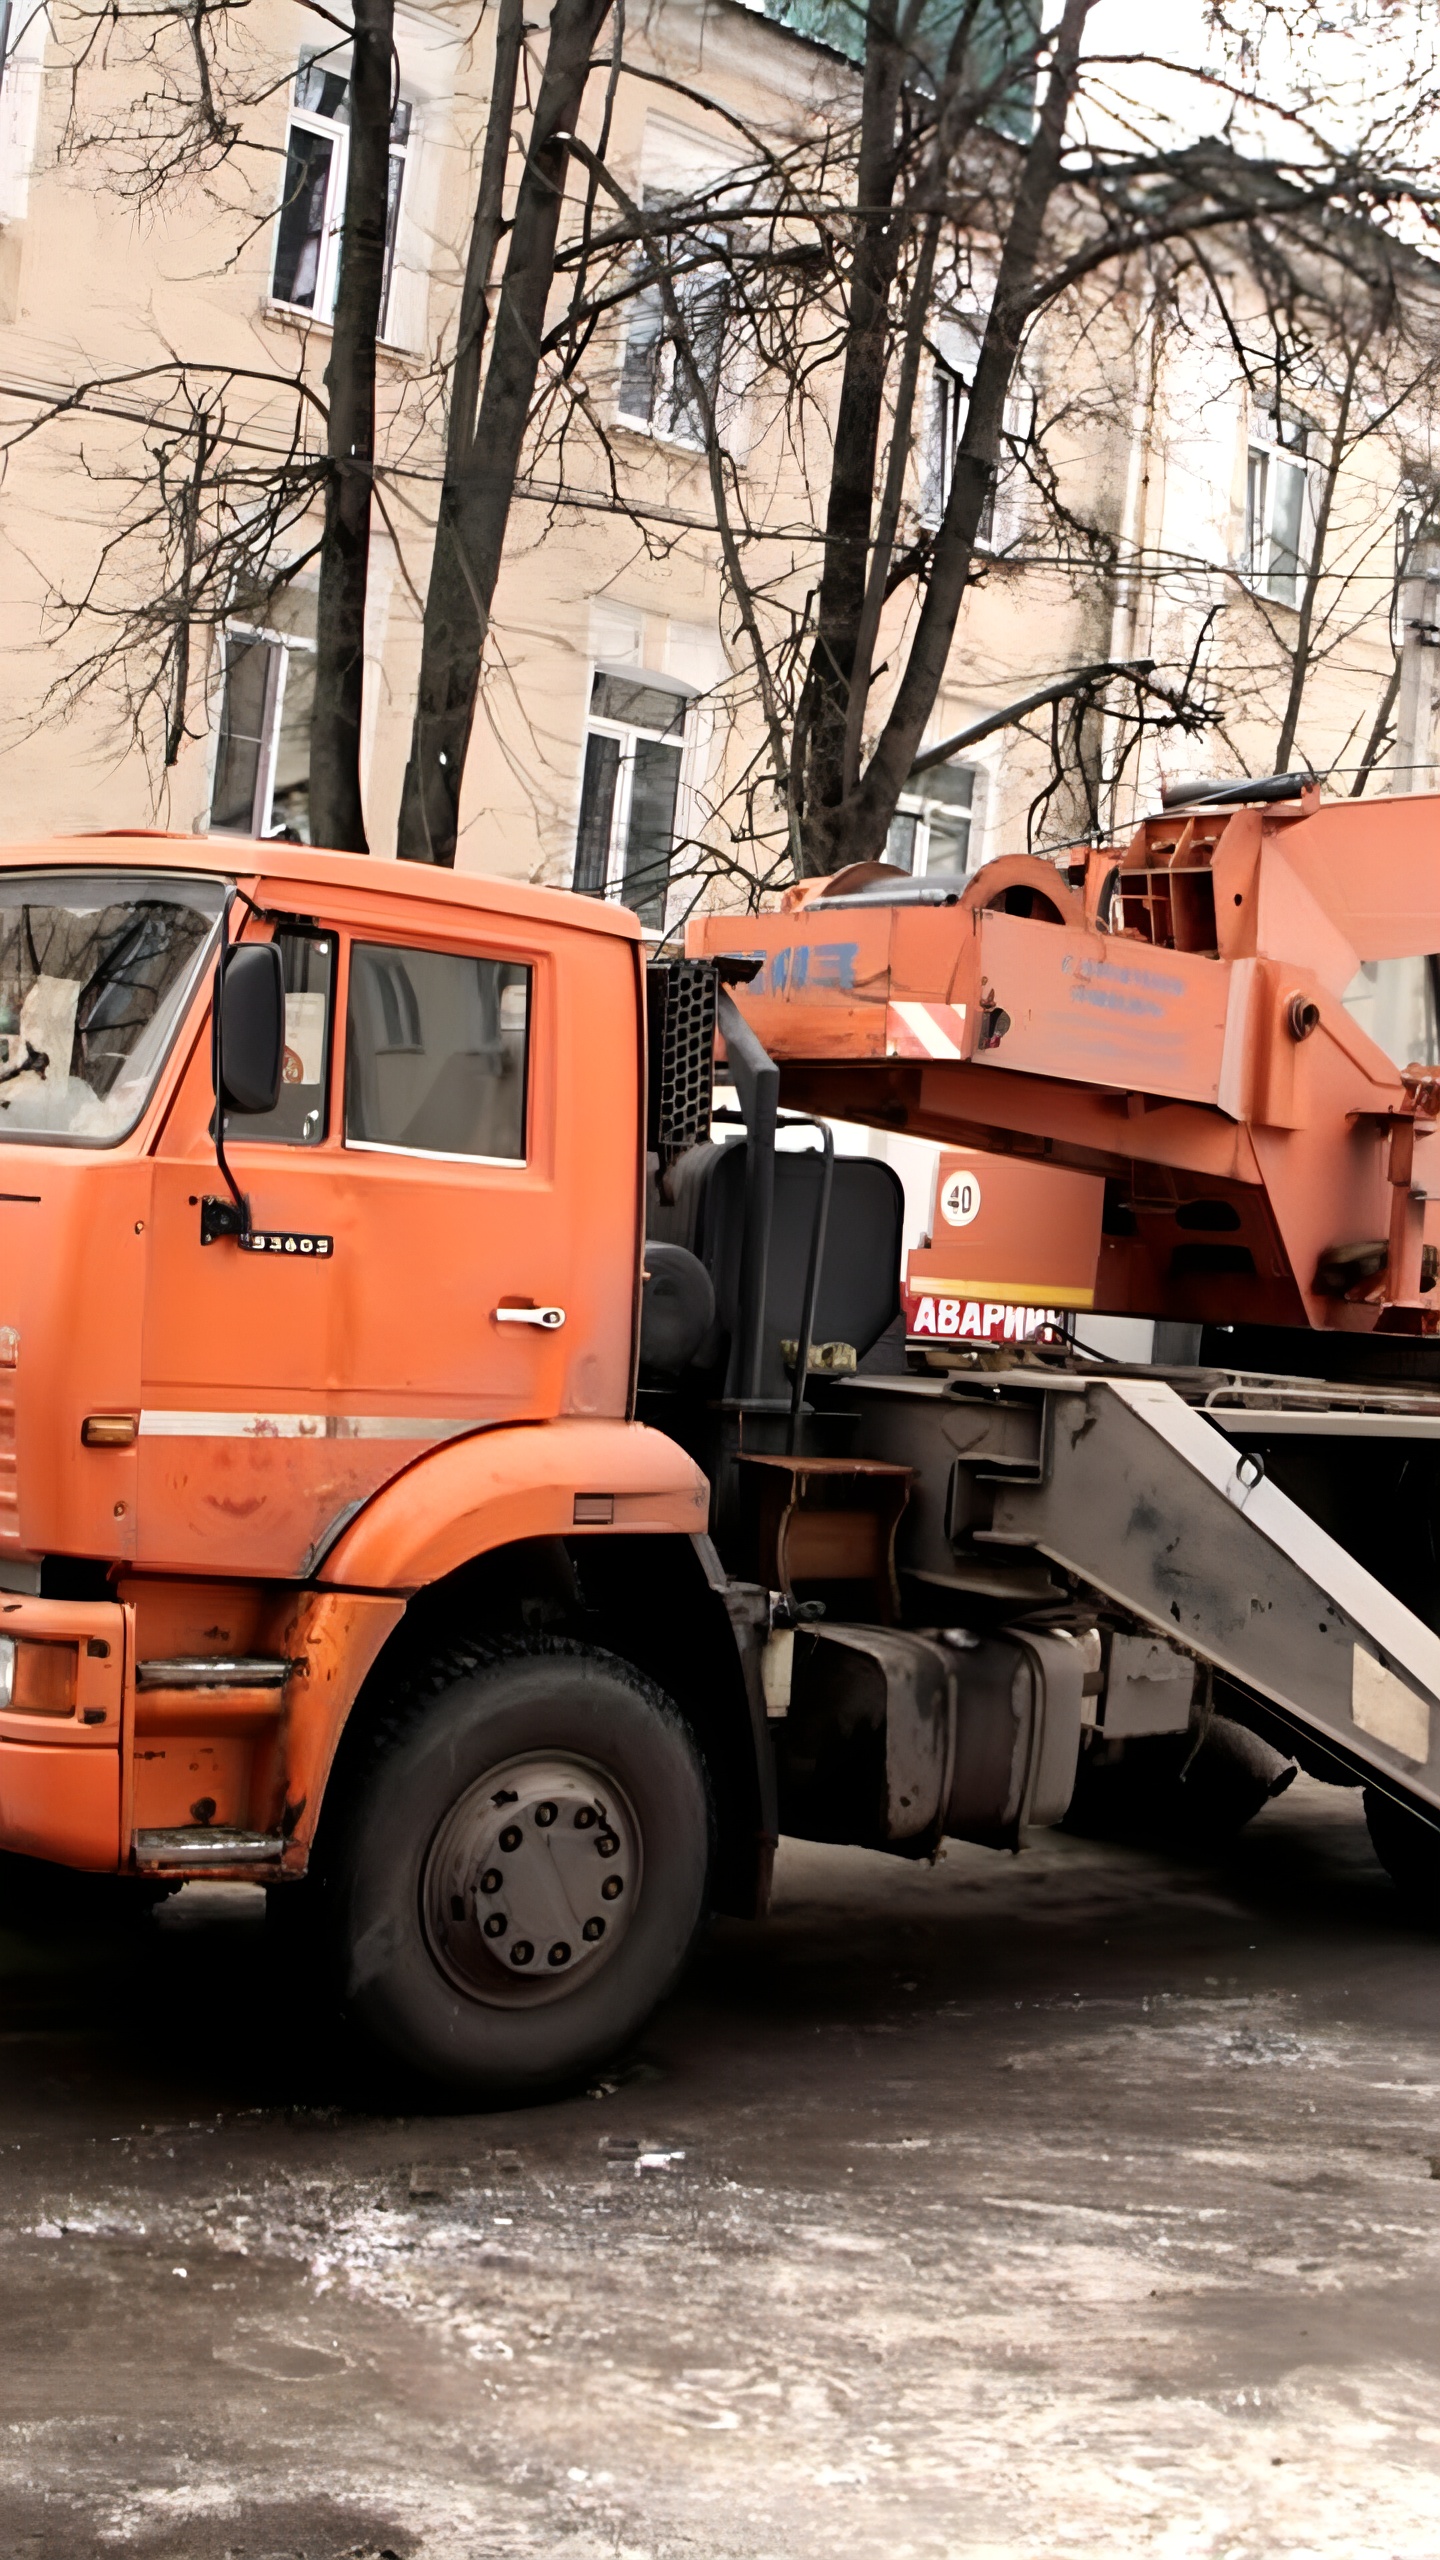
[222, 1217]
[757, 1083]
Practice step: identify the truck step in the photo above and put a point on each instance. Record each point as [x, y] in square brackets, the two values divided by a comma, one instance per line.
[204, 1845]
[215, 1671]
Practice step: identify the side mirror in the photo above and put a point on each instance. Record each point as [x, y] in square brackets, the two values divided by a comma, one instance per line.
[250, 1028]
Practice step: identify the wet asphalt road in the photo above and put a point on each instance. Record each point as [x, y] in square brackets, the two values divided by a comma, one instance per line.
[1079, 2204]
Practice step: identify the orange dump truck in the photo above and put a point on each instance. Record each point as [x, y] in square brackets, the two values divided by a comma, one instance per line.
[440, 1481]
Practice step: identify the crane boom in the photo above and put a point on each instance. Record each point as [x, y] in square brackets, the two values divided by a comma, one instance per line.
[1178, 1015]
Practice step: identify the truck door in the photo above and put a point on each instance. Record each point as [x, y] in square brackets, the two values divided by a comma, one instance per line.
[438, 1246]
[238, 1460]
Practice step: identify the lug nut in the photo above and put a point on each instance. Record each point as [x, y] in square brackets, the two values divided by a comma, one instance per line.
[594, 1929]
[613, 1886]
[521, 1952]
[510, 1837]
[559, 1953]
[545, 1815]
[607, 1844]
[496, 1925]
[491, 1880]
[584, 1819]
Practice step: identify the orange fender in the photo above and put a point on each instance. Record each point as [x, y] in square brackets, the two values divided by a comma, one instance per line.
[538, 1480]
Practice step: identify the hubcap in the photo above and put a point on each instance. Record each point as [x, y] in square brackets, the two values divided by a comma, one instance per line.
[530, 1880]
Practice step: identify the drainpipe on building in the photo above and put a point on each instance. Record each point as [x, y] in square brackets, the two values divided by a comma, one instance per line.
[1125, 615]
[1419, 617]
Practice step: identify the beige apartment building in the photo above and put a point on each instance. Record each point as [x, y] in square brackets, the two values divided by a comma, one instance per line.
[615, 717]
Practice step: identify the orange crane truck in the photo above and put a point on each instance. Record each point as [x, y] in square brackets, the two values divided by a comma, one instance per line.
[454, 1474]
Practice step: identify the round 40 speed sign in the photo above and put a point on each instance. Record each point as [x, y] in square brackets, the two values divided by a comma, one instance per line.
[960, 1199]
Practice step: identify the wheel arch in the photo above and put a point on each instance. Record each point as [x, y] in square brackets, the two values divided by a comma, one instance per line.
[661, 1602]
[518, 1481]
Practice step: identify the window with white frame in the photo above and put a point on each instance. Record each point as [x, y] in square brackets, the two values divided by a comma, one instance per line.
[634, 741]
[311, 227]
[24, 35]
[679, 168]
[956, 348]
[657, 389]
[944, 426]
[936, 824]
[1279, 506]
[262, 761]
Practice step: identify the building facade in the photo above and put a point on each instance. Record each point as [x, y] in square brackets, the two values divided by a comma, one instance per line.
[149, 283]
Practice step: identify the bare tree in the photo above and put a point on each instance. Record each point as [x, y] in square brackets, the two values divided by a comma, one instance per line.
[913, 181]
[812, 286]
[211, 477]
[1334, 365]
[485, 440]
[1343, 364]
[219, 487]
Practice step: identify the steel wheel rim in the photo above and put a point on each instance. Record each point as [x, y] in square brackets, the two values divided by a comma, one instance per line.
[531, 1880]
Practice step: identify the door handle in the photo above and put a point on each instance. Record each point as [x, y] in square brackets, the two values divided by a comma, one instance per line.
[551, 1318]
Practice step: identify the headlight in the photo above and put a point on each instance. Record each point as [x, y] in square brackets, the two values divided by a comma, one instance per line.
[37, 1678]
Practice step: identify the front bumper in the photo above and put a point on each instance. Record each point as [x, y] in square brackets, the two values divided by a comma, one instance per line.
[61, 1760]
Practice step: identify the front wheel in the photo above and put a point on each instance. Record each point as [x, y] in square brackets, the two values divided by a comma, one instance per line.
[519, 1868]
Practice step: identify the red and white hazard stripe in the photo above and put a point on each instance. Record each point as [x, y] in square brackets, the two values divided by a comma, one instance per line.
[924, 1031]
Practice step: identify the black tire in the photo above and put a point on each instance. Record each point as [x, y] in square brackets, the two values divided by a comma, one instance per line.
[612, 1799]
[1408, 1849]
[1169, 1791]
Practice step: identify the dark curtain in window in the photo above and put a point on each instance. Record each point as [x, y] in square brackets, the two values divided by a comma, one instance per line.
[597, 815]
[302, 217]
[243, 719]
[650, 836]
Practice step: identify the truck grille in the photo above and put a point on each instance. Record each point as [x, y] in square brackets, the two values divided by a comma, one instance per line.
[681, 999]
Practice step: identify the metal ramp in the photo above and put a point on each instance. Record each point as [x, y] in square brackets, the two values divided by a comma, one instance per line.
[1123, 1483]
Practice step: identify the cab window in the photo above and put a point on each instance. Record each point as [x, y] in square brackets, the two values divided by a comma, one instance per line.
[436, 1053]
[299, 1118]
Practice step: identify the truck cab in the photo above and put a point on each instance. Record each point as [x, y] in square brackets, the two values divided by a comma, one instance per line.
[282, 1386]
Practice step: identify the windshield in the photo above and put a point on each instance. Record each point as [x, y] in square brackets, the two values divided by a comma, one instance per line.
[96, 969]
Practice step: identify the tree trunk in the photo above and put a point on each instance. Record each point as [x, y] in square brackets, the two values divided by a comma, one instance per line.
[852, 826]
[191, 504]
[480, 481]
[485, 233]
[823, 725]
[337, 815]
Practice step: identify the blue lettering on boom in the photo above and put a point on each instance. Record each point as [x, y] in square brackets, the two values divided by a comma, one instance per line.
[1116, 973]
[805, 964]
[810, 964]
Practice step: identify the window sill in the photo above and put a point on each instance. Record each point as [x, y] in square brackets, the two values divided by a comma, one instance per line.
[291, 315]
[652, 436]
[1260, 594]
[986, 545]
